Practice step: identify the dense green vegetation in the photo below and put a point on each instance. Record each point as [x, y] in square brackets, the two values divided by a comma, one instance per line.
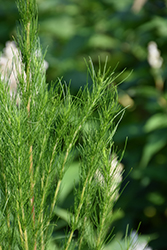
[73, 30]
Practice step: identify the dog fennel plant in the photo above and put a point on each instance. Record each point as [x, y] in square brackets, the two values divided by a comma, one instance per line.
[40, 126]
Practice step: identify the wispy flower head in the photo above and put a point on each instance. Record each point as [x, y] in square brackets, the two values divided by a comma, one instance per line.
[11, 65]
[135, 244]
[115, 172]
[154, 56]
[115, 177]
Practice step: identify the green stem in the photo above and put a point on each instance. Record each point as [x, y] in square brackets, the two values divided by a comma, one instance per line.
[76, 219]
[62, 170]
[28, 76]
[23, 233]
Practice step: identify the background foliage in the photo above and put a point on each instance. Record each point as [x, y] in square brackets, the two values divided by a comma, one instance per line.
[74, 29]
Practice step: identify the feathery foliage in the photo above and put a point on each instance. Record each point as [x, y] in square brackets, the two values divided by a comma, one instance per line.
[40, 126]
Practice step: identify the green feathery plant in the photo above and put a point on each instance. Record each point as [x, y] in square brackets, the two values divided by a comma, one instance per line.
[40, 126]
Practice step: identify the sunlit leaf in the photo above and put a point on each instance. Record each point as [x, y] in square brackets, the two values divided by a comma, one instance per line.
[156, 121]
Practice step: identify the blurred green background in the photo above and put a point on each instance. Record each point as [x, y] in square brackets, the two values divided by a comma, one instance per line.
[120, 29]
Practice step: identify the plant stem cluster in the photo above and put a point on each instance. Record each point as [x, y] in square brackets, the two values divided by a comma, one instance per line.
[38, 134]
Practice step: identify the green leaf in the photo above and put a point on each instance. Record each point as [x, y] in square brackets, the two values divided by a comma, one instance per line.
[157, 121]
[71, 176]
[62, 26]
[63, 214]
[154, 144]
[102, 41]
[156, 198]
